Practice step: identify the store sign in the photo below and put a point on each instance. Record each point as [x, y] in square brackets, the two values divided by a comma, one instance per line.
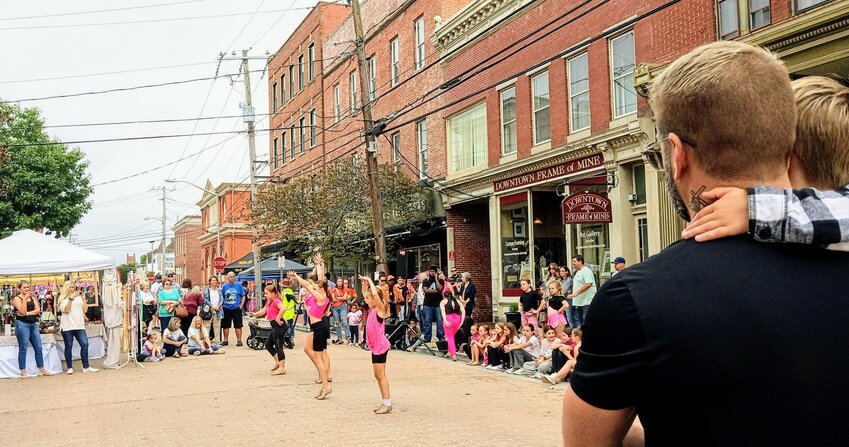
[586, 207]
[550, 173]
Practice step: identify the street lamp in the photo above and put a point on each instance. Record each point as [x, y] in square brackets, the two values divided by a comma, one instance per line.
[220, 217]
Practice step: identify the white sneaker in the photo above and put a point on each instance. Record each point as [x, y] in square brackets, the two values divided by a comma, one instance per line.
[70, 371]
[492, 367]
[510, 370]
[538, 375]
[549, 379]
[520, 372]
[90, 370]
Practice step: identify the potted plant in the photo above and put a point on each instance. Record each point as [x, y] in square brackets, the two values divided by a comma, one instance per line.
[513, 316]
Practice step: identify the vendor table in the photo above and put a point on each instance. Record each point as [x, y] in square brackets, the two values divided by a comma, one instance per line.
[96, 343]
[9, 357]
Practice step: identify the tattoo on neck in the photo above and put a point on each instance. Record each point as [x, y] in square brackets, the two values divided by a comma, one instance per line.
[696, 201]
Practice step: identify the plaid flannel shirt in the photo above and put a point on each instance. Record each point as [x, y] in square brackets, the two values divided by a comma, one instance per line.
[803, 216]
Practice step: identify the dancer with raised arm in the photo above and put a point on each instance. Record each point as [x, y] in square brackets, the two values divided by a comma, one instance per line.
[376, 338]
[317, 302]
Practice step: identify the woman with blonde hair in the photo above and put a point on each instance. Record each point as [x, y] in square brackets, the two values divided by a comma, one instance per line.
[199, 343]
[73, 307]
[26, 329]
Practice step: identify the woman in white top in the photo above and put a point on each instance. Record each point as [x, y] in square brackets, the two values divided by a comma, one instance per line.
[74, 306]
[148, 301]
[213, 302]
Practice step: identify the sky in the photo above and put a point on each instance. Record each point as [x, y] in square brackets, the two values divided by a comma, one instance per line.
[57, 47]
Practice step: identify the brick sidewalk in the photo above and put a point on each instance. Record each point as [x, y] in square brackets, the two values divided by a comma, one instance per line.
[232, 400]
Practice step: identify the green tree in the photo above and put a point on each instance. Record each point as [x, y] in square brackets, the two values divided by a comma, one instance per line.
[125, 270]
[143, 259]
[331, 210]
[43, 182]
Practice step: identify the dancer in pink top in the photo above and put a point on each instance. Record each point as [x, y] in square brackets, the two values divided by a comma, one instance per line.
[376, 339]
[317, 303]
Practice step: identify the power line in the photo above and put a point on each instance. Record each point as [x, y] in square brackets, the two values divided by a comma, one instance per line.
[121, 89]
[133, 70]
[97, 11]
[250, 19]
[133, 22]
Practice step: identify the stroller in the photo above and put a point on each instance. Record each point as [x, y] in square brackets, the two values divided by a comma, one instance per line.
[260, 333]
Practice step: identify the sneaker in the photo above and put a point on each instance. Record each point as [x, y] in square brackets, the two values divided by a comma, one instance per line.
[520, 372]
[492, 367]
[90, 370]
[196, 353]
[70, 371]
[221, 351]
[239, 343]
[538, 375]
[511, 370]
[148, 359]
[549, 379]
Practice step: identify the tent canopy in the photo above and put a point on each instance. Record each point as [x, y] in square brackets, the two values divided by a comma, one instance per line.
[270, 270]
[26, 252]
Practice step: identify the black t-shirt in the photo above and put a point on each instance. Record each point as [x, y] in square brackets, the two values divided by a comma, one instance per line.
[556, 302]
[530, 300]
[730, 342]
[433, 296]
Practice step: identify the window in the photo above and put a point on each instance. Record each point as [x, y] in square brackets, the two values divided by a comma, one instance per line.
[274, 154]
[352, 81]
[759, 13]
[273, 97]
[312, 128]
[643, 238]
[372, 78]
[508, 121]
[421, 137]
[542, 119]
[292, 142]
[291, 81]
[282, 90]
[394, 63]
[467, 138]
[337, 107]
[579, 93]
[802, 5]
[639, 176]
[311, 53]
[624, 93]
[396, 150]
[283, 147]
[302, 123]
[420, 45]
[729, 21]
[300, 72]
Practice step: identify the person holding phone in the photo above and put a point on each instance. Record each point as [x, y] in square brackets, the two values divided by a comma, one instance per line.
[74, 307]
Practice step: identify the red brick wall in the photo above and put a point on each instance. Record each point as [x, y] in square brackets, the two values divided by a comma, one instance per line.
[188, 254]
[472, 254]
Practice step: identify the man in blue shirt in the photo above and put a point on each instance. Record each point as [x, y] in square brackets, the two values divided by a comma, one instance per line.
[234, 298]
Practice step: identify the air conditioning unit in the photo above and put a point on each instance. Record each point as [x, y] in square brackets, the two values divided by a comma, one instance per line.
[632, 197]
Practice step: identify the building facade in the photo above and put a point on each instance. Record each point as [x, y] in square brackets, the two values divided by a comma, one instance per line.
[296, 93]
[224, 219]
[188, 263]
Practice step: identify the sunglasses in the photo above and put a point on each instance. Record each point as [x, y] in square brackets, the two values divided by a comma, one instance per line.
[654, 155]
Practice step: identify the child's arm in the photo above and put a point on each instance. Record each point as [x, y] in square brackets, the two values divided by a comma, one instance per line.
[805, 216]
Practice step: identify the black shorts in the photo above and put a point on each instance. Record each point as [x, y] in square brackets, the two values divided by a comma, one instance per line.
[232, 318]
[376, 359]
[320, 333]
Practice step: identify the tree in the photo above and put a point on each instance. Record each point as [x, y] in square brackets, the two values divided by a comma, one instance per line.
[43, 182]
[143, 259]
[125, 270]
[331, 210]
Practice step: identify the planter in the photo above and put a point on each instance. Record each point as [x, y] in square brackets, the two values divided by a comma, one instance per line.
[513, 317]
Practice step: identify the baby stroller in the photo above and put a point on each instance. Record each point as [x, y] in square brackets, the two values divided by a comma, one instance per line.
[259, 335]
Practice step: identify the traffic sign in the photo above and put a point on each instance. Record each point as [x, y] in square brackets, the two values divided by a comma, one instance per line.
[219, 263]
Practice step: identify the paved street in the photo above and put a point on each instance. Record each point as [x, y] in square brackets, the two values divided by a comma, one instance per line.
[232, 400]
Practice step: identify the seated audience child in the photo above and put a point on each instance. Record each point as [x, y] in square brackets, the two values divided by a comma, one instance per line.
[495, 346]
[542, 363]
[151, 352]
[479, 355]
[571, 353]
[524, 349]
[413, 336]
[467, 348]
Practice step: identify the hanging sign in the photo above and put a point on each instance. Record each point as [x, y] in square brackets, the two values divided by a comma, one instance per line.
[586, 207]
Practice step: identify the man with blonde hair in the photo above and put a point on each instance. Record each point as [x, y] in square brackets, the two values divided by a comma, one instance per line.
[699, 340]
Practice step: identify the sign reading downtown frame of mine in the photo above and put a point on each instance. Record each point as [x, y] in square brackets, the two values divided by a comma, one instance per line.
[586, 207]
[550, 173]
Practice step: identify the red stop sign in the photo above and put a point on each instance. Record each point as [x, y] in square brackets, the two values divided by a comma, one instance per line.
[219, 263]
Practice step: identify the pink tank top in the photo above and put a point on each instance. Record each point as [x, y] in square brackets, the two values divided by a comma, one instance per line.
[376, 334]
[272, 309]
[313, 308]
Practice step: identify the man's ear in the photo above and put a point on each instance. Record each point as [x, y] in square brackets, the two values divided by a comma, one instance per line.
[679, 160]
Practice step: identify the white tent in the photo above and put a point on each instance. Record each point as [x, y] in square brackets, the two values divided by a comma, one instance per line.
[26, 252]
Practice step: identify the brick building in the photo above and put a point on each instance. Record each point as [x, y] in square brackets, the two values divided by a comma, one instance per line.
[224, 219]
[296, 93]
[188, 262]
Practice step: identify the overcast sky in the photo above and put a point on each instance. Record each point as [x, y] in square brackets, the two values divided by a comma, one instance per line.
[53, 47]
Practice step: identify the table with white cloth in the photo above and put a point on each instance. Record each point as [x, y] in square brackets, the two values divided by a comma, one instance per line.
[9, 356]
[96, 343]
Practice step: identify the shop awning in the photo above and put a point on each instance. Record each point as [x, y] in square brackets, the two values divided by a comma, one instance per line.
[26, 252]
[270, 270]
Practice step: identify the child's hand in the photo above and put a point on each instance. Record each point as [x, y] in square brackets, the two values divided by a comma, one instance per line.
[728, 215]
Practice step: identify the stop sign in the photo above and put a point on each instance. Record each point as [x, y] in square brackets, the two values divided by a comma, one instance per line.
[219, 263]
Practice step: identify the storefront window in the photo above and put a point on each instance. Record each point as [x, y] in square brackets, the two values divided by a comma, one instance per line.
[592, 240]
[515, 247]
[549, 233]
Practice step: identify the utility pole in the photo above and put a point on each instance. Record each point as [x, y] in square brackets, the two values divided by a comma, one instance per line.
[164, 213]
[248, 117]
[371, 155]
